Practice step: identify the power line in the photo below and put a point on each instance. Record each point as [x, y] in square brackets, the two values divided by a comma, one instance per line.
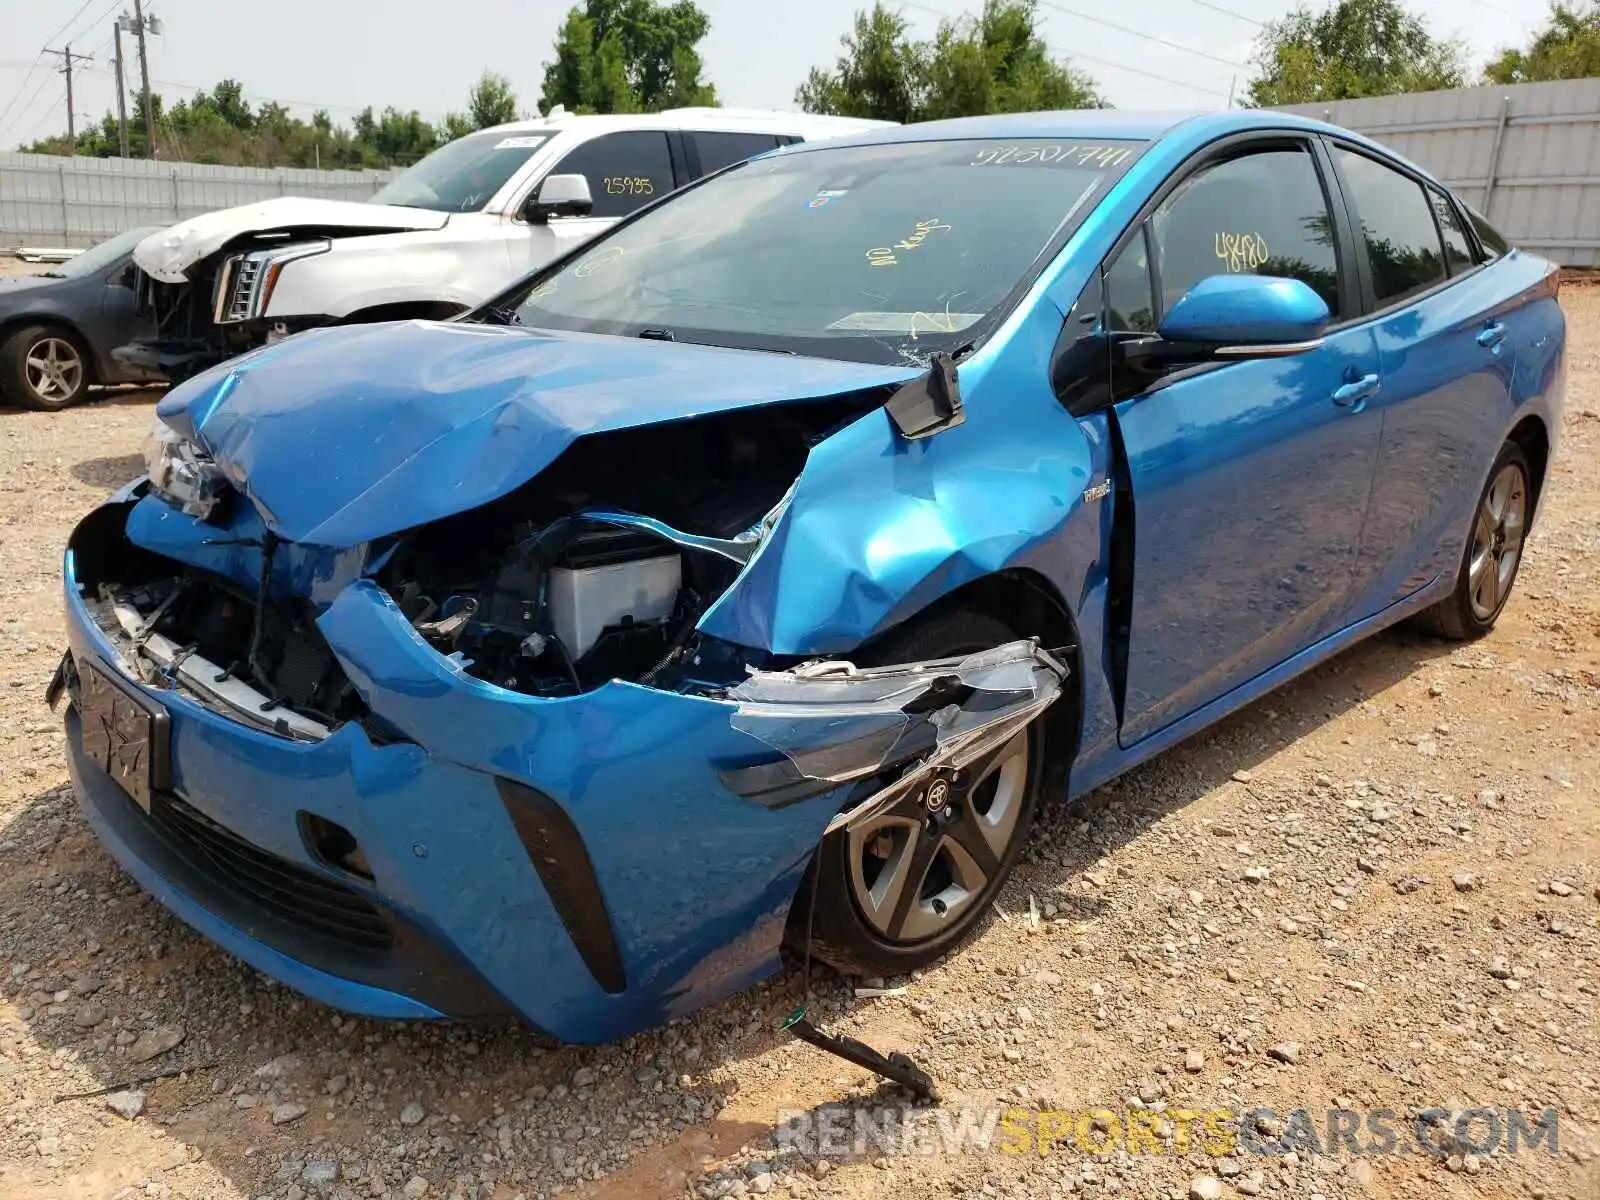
[48, 113]
[70, 21]
[1149, 37]
[37, 92]
[1104, 62]
[1228, 12]
[22, 87]
[1116, 66]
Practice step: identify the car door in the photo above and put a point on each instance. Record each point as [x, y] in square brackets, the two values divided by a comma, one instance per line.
[1249, 478]
[119, 321]
[626, 170]
[1446, 353]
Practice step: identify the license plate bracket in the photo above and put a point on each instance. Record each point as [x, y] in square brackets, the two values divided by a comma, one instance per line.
[125, 734]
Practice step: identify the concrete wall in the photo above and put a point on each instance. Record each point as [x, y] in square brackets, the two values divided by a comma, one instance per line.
[1526, 156]
[50, 201]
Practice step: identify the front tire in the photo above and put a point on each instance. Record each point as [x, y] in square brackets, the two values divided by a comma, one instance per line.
[44, 367]
[1493, 555]
[907, 886]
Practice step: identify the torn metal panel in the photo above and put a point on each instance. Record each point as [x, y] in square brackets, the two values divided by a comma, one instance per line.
[836, 722]
[341, 435]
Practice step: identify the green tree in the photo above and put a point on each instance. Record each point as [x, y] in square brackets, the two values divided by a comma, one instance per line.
[879, 75]
[995, 62]
[491, 101]
[628, 56]
[1567, 48]
[1354, 48]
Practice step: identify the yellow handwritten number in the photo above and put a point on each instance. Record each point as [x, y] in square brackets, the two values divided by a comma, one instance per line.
[1241, 251]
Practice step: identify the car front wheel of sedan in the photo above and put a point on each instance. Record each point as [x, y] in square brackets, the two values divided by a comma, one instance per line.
[43, 368]
[907, 885]
[1493, 554]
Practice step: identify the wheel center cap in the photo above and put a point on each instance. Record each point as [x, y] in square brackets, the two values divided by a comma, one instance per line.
[937, 796]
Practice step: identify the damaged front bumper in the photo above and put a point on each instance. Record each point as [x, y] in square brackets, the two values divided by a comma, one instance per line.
[594, 864]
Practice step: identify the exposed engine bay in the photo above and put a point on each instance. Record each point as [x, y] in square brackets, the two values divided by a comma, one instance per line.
[552, 590]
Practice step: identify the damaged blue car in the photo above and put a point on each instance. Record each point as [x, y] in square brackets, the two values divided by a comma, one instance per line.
[746, 578]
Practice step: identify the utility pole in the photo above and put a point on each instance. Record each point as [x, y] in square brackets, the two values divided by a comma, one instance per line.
[66, 57]
[138, 26]
[122, 92]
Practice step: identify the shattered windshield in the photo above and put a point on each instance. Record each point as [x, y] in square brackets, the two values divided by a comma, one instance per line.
[464, 175]
[882, 253]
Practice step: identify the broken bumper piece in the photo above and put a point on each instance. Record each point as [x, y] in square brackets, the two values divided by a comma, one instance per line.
[593, 864]
[896, 728]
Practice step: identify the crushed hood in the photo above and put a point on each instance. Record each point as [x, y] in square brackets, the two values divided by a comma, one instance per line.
[170, 253]
[344, 434]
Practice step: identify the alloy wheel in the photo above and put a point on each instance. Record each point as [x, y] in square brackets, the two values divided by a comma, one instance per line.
[53, 369]
[1497, 541]
[917, 867]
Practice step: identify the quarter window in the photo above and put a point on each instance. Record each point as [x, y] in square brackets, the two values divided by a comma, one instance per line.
[1128, 291]
[1397, 224]
[1489, 238]
[625, 170]
[1457, 250]
[718, 150]
[1263, 214]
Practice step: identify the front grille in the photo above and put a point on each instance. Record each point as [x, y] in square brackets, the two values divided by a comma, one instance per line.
[279, 887]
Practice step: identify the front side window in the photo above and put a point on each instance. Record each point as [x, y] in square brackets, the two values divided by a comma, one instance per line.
[881, 253]
[1128, 290]
[464, 175]
[1258, 214]
[1397, 225]
[625, 170]
[718, 150]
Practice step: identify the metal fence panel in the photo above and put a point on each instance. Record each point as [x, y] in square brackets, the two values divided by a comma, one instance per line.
[1526, 156]
[47, 200]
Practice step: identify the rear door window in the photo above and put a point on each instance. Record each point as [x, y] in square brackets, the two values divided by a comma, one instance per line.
[720, 149]
[625, 170]
[1490, 241]
[1397, 224]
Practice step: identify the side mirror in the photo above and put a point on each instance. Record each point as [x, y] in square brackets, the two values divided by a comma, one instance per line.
[1247, 316]
[559, 196]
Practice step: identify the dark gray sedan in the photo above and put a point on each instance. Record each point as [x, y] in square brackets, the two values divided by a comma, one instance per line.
[57, 329]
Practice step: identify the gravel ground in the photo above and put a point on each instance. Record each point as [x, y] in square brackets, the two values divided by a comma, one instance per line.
[1376, 888]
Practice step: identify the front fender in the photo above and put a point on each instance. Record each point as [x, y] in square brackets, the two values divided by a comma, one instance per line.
[879, 527]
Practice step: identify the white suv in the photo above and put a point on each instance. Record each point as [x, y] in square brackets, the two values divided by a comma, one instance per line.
[439, 239]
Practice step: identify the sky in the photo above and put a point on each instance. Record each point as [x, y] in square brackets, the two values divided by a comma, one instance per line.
[343, 55]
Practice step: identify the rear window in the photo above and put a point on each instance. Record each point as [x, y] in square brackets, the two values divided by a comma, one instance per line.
[718, 150]
[881, 253]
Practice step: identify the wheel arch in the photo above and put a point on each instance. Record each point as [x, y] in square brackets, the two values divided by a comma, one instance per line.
[1533, 437]
[1032, 606]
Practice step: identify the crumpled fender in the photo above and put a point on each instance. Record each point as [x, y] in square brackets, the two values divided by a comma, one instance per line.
[880, 527]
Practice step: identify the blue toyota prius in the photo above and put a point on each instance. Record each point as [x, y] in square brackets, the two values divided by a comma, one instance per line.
[742, 580]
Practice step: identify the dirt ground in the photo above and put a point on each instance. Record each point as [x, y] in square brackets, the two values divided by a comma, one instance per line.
[1373, 890]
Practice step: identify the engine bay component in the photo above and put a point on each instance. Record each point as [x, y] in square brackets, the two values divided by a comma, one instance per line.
[612, 581]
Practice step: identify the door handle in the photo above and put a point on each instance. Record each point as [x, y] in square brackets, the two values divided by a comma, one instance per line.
[1356, 391]
[1492, 335]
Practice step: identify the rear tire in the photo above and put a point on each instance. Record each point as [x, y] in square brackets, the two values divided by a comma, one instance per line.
[44, 367]
[854, 898]
[1493, 555]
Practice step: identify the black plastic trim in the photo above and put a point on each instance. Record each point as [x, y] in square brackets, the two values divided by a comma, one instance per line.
[556, 850]
[418, 964]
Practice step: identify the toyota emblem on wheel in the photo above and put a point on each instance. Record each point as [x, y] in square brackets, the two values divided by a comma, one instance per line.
[938, 796]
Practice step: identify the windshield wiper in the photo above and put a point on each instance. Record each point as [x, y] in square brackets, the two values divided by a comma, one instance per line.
[657, 335]
[51, 275]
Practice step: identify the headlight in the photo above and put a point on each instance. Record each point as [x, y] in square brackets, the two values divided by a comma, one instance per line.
[181, 473]
[246, 281]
